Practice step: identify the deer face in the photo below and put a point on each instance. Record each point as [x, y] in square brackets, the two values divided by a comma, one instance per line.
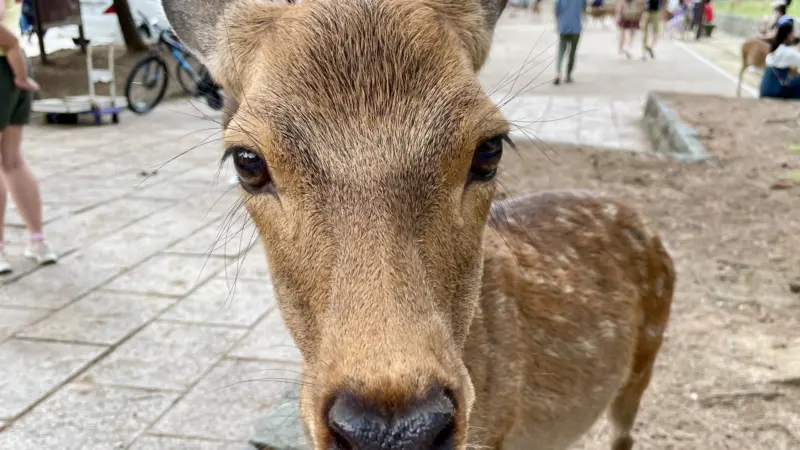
[366, 152]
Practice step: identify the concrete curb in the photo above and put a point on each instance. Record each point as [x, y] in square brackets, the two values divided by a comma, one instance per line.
[280, 427]
[669, 134]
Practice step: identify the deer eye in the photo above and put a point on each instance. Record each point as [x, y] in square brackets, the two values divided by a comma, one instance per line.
[486, 159]
[251, 169]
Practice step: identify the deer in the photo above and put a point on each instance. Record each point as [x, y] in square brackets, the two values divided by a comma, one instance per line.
[754, 54]
[600, 14]
[428, 316]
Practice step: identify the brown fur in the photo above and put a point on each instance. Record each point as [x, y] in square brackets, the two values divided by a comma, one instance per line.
[386, 273]
[754, 54]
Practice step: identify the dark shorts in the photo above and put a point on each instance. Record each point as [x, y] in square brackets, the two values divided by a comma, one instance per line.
[15, 105]
[628, 24]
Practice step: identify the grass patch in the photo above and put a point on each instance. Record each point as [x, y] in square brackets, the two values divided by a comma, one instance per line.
[746, 8]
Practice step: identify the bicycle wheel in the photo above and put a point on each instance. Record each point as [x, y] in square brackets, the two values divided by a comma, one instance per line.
[186, 78]
[149, 74]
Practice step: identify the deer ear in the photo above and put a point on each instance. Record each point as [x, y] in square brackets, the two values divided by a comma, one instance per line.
[223, 33]
[491, 12]
[195, 22]
[474, 21]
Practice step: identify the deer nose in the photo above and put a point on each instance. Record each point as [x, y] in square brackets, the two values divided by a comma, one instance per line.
[426, 425]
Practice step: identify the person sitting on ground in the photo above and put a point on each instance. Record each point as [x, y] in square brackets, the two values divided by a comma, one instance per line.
[780, 16]
[9, 44]
[783, 58]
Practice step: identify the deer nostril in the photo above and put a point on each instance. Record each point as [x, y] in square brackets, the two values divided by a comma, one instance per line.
[426, 425]
[445, 440]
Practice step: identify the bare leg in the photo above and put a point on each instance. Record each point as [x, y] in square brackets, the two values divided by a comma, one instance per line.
[657, 25]
[3, 196]
[19, 179]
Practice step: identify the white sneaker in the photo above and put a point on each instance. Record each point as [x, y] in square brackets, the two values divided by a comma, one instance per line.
[5, 265]
[41, 253]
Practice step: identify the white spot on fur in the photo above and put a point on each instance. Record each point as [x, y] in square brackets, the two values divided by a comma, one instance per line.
[607, 329]
[610, 211]
[563, 212]
[565, 222]
[552, 353]
[588, 347]
[571, 252]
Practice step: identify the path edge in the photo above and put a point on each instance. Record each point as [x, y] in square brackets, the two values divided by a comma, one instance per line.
[671, 135]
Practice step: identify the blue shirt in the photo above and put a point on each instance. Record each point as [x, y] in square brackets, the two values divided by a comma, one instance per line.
[570, 14]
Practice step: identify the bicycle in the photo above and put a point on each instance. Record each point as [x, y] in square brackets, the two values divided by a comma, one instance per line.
[153, 68]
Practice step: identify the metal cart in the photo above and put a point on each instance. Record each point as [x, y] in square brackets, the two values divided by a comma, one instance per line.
[68, 109]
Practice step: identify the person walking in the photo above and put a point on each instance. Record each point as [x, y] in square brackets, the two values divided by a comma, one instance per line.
[652, 20]
[569, 17]
[629, 14]
[15, 176]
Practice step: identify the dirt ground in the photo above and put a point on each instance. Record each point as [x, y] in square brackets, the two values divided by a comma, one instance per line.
[66, 74]
[724, 378]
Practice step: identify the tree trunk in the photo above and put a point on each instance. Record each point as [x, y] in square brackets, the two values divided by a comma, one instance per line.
[133, 40]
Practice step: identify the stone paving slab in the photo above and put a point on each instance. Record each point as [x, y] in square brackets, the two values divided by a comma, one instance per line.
[56, 286]
[246, 388]
[101, 317]
[174, 275]
[13, 319]
[88, 417]
[165, 356]
[173, 443]
[228, 237]
[268, 340]
[30, 370]
[224, 301]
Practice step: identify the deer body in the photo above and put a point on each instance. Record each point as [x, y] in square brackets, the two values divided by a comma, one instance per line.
[428, 318]
[575, 332]
[754, 54]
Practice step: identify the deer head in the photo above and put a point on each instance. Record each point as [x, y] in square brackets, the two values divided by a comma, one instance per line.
[366, 151]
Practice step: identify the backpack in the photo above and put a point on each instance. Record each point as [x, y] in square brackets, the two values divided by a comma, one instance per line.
[28, 18]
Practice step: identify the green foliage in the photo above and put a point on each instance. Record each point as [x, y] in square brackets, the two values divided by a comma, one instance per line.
[746, 8]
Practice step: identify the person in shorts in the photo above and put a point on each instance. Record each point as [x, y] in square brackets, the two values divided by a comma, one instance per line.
[652, 19]
[15, 175]
[629, 14]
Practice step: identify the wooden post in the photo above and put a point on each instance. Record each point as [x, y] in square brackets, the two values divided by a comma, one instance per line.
[40, 32]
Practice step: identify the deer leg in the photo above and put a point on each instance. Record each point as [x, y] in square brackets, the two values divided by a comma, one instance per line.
[626, 405]
[623, 410]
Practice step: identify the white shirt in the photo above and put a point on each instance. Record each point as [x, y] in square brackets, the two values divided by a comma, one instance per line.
[784, 57]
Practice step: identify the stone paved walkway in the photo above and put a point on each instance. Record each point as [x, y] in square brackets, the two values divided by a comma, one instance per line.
[137, 338]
